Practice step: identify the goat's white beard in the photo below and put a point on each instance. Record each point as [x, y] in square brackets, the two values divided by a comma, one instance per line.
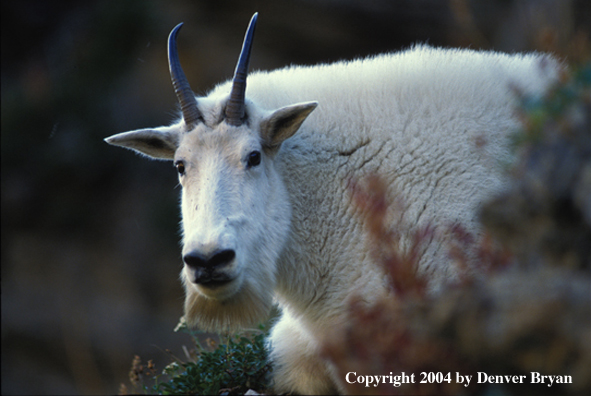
[250, 306]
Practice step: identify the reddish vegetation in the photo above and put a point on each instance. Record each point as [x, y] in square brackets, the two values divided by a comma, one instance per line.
[504, 319]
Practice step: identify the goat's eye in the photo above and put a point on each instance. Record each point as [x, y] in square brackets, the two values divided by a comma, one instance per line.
[254, 159]
[180, 167]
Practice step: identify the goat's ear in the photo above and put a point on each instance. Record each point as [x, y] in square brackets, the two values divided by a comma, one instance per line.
[283, 123]
[159, 143]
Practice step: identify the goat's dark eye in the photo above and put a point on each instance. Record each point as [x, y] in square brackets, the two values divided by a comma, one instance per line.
[180, 167]
[254, 158]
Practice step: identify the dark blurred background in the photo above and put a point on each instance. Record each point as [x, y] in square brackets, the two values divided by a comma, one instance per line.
[90, 238]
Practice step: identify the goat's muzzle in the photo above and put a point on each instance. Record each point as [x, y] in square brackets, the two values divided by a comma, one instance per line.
[209, 270]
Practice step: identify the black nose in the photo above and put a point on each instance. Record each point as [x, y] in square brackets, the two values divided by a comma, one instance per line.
[217, 259]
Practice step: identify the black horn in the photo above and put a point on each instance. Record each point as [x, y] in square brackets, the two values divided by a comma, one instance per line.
[181, 86]
[235, 106]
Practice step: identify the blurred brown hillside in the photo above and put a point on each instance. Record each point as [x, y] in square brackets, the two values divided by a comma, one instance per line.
[90, 241]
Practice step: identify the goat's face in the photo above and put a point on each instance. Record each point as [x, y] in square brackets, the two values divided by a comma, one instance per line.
[235, 209]
[228, 183]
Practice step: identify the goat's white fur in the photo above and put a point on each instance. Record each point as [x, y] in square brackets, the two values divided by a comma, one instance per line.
[414, 117]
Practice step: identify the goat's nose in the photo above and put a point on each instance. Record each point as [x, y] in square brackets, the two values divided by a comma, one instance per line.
[216, 259]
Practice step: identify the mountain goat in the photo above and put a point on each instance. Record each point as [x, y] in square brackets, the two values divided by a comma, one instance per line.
[265, 170]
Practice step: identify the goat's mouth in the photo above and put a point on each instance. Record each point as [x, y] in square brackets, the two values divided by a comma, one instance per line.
[219, 286]
[214, 283]
[210, 279]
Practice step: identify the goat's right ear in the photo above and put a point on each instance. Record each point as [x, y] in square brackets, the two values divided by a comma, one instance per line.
[159, 143]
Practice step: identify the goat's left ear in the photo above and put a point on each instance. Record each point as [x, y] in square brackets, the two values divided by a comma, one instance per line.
[283, 123]
[158, 143]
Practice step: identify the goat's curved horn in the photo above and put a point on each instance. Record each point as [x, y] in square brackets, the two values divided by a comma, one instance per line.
[181, 86]
[235, 107]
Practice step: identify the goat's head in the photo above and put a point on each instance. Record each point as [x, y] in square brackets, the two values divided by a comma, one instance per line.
[235, 209]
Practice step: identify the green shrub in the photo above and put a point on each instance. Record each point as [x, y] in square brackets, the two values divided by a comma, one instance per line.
[233, 367]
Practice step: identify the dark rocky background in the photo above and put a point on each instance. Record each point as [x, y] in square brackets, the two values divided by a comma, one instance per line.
[90, 253]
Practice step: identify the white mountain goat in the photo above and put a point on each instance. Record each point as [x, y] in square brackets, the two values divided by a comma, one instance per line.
[266, 206]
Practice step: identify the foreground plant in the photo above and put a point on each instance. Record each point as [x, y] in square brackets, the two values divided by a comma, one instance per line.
[234, 367]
